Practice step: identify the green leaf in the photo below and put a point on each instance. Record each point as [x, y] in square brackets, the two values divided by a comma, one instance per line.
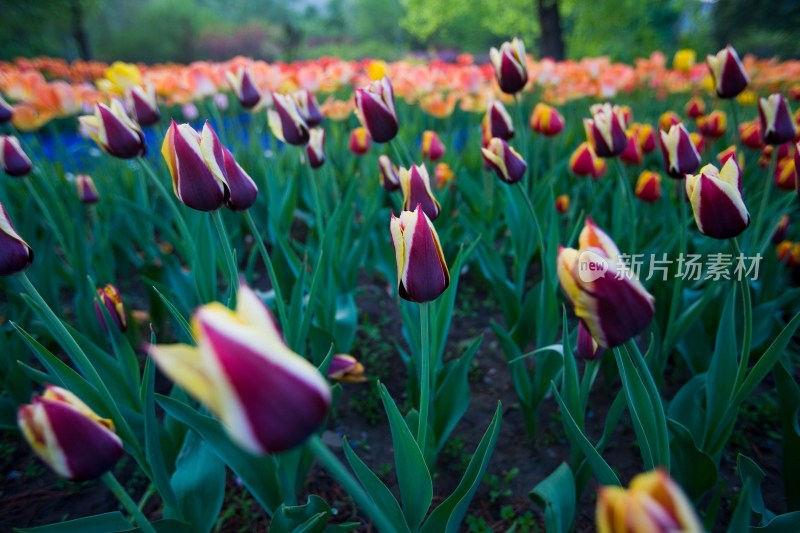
[785, 523]
[101, 523]
[153, 449]
[752, 476]
[693, 468]
[452, 395]
[556, 496]
[721, 376]
[789, 408]
[639, 407]
[199, 483]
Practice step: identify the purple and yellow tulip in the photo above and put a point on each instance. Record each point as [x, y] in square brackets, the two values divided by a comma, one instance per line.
[775, 117]
[504, 160]
[376, 111]
[286, 121]
[605, 131]
[422, 274]
[727, 72]
[416, 185]
[13, 159]
[315, 149]
[432, 146]
[113, 131]
[87, 192]
[648, 186]
[243, 86]
[110, 297]
[510, 66]
[15, 254]
[681, 156]
[716, 198]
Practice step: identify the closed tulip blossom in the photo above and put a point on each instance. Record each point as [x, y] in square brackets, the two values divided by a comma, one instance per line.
[443, 175]
[375, 109]
[584, 162]
[432, 147]
[286, 121]
[695, 107]
[510, 66]
[648, 186]
[244, 87]
[750, 134]
[67, 435]
[242, 190]
[309, 108]
[607, 298]
[562, 203]
[777, 126]
[268, 398]
[389, 174]
[13, 158]
[422, 274]
[87, 192]
[680, 153]
[144, 104]
[315, 149]
[509, 166]
[114, 131]
[346, 368]
[646, 136]
[110, 297]
[605, 131]
[730, 152]
[781, 229]
[717, 203]
[667, 120]
[6, 111]
[416, 185]
[785, 174]
[360, 141]
[652, 503]
[546, 120]
[15, 254]
[496, 123]
[728, 73]
[632, 155]
[713, 125]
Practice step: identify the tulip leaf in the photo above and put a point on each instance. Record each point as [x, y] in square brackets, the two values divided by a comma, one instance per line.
[182, 322]
[721, 376]
[640, 408]
[693, 468]
[165, 526]
[199, 483]
[311, 517]
[556, 496]
[785, 523]
[416, 486]
[789, 408]
[452, 396]
[101, 523]
[153, 448]
[752, 476]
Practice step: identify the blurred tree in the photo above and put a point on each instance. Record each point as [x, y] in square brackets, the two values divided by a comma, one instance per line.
[762, 28]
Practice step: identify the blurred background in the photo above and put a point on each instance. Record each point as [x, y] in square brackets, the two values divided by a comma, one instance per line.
[156, 31]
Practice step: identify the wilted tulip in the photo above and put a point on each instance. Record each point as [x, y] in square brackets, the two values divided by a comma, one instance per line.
[562, 203]
[695, 107]
[359, 141]
[309, 108]
[680, 153]
[268, 398]
[242, 190]
[390, 177]
[781, 229]
[606, 297]
[244, 87]
[586, 346]
[443, 175]
[144, 104]
[510, 66]
[717, 203]
[496, 123]
[6, 111]
[13, 158]
[750, 134]
[648, 186]
[197, 164]
[346, 368]
[652, 503]
[605, 131]
[777, 126]
[110, 297]
[376, 111]
[422, 274]
[432, 147]
[286, 122]
[584, 162]
[632, 155]
[315, 149]
[546, 120]
[114, 131]
[728, 73]
[416, 185]
[87, 192]
[713, 125]
[67, 435]
[15, 254]
[504, 160]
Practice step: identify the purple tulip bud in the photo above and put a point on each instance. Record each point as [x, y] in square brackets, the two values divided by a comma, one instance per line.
[422, 274]
[114, 131]
[287, 122]
[504, 160]
[15, 254]
[87, 192]
[716, 199]
[376, 111]
[730, 77]
[12, 158]
[416, 185]
[680, 153]
[315, 149]
[145, 105]
[777, 126]
[510, 66]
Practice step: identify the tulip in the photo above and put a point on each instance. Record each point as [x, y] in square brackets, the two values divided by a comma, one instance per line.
[144, 105]
[717, 203]
[632, 154]
[268, 398]
[648, 186]
[359, 141]
[680, 153]
[646, 137]
[587, 347]
[667, 120]
[510, 66]
[6, 111]
[728, 73]
[196, 162]
[443, 174]
[584, 162]
[713, 125]
[605, 131]
[546, 120]
[15, 254]
[788, 253]
[242, 190]
[67, 435]
[309, 108]
[695, 107]
[562, 203]
[390, 178]
[422, 274]
[315, 149]
[376, 111]
[346, 368]
[376, 69]
[782, 151]
[785, 174]
[730, 152]
[120, 77]
[12, 158]
[87, 192]
[777, 126]
[626, 111]
[652, 503]
[750, 134]
[114, 131]
[781, 229]
[608, 300]
[504, 160]
[684, 59]
[244, 87]
[110, 297]
[497, 123]
[286, 122]
[221, 101]
[698, 141]
[416, 185]
[432, 147]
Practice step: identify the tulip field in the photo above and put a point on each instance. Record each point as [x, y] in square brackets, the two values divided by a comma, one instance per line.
[420, 296]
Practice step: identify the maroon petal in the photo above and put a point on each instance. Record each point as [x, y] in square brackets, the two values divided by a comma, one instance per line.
[243, 190]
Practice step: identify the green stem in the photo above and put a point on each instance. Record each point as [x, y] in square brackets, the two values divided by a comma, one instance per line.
[523, 132]
[336, 469]
[748, 322]
[676, 288]
[762, 210]
[126, 501]
[624, 185]
[230, 260]
[318, 215]
[400, 159]
[425, 378]
[735, 116]
[537, 227]
[273, 277]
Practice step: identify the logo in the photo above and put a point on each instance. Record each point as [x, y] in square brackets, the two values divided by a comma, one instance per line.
[591, 266]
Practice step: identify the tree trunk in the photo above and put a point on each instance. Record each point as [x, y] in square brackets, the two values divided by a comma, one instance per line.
[551, 42]
[79, 30]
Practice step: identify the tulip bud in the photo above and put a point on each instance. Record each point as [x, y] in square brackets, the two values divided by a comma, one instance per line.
[114, 131]
[13, 158]
[422, 274]
[730, 152]
[667, 120]
[376, 111]
[684, 59]
[510, 66]
[242, 190]
[87, 192]
[390, 179]
[648, 186]
[144, 105]
[788, 253]
[15, 254]
[346, 368]
[268, 398]
[504, 160]
[695, 107]
[443, 175]
[309, 108]
[244, 87]
[67, 435]
[750, 134]
[781, 229]
[728, 73]
[785, 174]
[777, 126]
[496, 123]
[584, 162]
[713, 125]
[110, 297]
[6, 111]
[432, 147]
[315, 149]
[605, 131]
[416, 185]
[359, 141]
[717, 203]
[632, 155]
[546, 120]
[562, 203]
[607, 299]
[646, 137]
[680, 153]
[286, 122]
[652, 503]
[587, 348]
[698, 141]
[625, 111]
[196, 162]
